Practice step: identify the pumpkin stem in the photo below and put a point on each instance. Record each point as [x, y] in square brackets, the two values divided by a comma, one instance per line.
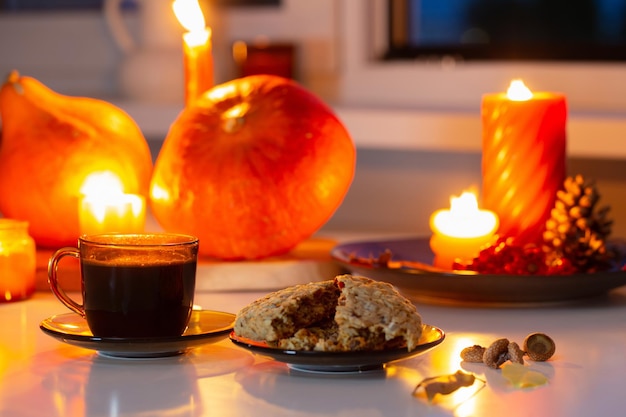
[14, 80]
[13, 77]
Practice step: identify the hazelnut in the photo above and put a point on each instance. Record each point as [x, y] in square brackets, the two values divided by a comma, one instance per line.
[539, 346]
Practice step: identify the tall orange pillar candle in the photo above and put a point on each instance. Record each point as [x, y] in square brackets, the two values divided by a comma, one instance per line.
[523, 161]
[197, 51]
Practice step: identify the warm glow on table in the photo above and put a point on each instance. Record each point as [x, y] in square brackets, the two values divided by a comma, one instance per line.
[17, 261]
[197, 49]
[106, 209]
[523, 164]
[461, 231]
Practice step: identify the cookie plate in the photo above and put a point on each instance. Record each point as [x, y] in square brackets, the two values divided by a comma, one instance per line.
[341, 362]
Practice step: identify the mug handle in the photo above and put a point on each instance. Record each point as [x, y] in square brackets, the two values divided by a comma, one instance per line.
[54, 282]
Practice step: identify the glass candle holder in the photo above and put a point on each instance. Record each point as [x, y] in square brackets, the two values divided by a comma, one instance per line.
[17, 261]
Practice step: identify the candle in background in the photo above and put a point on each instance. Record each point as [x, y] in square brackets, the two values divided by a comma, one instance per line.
[197, 54]
[104, 208]
[17, 260]
[460, 233]
[523, 159]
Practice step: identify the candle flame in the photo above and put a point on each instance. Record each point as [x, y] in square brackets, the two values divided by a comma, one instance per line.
[102, 184]
[466, 204]
[190, 16]
[104, 191]
[465, 219]
[518, 91]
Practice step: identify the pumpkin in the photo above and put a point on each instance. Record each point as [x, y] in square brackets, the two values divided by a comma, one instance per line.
[50, 145]
[254, 167]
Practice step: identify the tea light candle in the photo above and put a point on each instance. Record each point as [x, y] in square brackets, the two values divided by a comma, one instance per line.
[197, 55]
[459, 233]
[17, 260]
[120, 213]
[523, 161]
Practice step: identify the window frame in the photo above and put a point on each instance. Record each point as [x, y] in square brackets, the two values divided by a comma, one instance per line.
[446, 84]
[400, 46]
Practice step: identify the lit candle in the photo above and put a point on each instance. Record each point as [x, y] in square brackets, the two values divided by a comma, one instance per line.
[104, 208]
[460, 233]
[123, 213]
[17, 260]
[523, 161]
[197, 56]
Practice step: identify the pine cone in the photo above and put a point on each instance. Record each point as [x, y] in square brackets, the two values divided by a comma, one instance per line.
[577, 230]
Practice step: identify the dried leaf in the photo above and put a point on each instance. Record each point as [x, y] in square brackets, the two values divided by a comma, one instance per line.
[385, 260]
[443, 385]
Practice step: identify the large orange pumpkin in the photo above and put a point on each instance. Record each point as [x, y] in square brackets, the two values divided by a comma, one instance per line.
[50, 144]
[253, 168]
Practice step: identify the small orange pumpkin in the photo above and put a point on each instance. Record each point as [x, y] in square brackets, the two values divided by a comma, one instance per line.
[50, 144]
[253, 168]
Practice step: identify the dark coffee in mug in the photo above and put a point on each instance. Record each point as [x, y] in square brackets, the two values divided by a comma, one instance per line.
[134, 285]
[138, 301]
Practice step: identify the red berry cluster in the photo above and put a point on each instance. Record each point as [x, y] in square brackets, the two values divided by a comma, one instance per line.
[505, 257]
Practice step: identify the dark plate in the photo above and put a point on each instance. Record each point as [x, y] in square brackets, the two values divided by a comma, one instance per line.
[204, 327]
[341, 362]
[418, 280]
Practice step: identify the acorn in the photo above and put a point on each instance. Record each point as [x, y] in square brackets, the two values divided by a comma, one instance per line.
[473, 353]
[539, 346]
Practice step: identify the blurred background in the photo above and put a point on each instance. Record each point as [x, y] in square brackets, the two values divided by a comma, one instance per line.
[410, 95]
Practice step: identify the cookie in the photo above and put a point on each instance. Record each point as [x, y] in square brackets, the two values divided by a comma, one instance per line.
[348, 313]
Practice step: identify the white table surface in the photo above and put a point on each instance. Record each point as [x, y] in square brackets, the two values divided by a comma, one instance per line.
[41, 376]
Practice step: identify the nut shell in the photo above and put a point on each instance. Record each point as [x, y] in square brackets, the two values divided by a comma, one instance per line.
[539, 346]
[497, 353]
[516, 354]
[473, 353]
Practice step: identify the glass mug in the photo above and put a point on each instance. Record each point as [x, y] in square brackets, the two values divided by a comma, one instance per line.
[133, 285]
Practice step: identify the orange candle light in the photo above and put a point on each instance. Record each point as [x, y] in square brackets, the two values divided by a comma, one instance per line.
[523, 161]
[460, 233]
[104, 208]
[17, 261]
[197, 54]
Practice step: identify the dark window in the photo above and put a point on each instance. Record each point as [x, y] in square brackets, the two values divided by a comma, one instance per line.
[28, 5]
[51, 5]
[574, 30]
